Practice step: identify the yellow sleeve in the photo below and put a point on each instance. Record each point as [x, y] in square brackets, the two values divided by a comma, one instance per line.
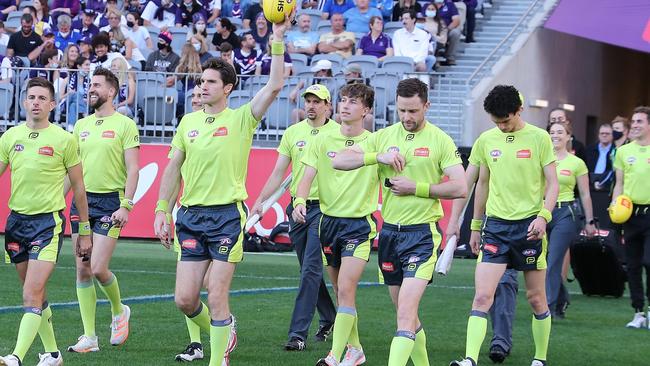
[581, 168]
[131, 137]
[450, 155]
[178, 142]
[71, 153]
[476, 157]
[248, 120]
[619, 160]
[311, 155]
[285, 144]
[371, 144]
[547, 156]
[4, 148]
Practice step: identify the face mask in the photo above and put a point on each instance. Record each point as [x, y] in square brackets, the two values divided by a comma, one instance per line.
[430, 13]
[419, 25]
[162, 46]
[197, 46]
[54, 65]
[130, 24]
[617, 134]
[188, 6]
[200, 27]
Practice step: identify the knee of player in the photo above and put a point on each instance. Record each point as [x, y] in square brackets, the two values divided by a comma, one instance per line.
[406, 317]
[483, 300]
[101, 273]
[186, 304]
[84, 273]
[33, 297]
[536, 299]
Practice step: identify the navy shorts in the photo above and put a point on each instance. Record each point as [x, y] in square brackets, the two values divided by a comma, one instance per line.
[37, 237]
[504, 242]
[407, 251]
[346, 237]
[100, 208]
[211, 232]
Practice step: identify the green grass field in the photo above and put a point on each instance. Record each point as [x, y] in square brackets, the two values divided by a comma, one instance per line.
[592, 334]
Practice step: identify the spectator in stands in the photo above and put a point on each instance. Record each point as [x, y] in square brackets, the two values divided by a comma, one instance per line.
[4, 37]
[7, 68]
[357, 19]
[85, 47]
[227, 55]
[376, 42]
[435, 26]
[449, 14]
[48, 40]
[263, 62]
[201, 46]
[385, 6]
[353, 74]
[160, 13]
[186, 10]
[126, 94]
[164, 59]
[620, 130]
[69, 7]
[332, 7]
[47, 65]
[310, 4]
[114, 17]
[134, 6]
[322, 75]
[338, 40]
[25, 43]
[303, 40]
[599, 161]
[85, 26]
[212, 9]
[262, 31]
[41, 13]
[74, 99]
[70, 56]
[199, 26]
[252, 13]
[558, 115]
[405, 5]
[190, 63]
[7, 7]
[140, 36]
[225, 33]
[99, 6]
[65, 35]
[245, 56]
[234, 8]
[413, 42]
[470, 20]
[102, 20]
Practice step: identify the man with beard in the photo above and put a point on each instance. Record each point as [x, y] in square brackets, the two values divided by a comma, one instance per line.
[25, 43]
[312, 292]
[112, 138]
[414, 155]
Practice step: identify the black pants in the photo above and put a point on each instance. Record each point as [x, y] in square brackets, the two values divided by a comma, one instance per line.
[470, 24]
[637, 252]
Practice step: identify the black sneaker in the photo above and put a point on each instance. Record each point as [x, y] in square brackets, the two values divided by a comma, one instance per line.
[295, 344]
[324, 331]
[498, 354]
[194, 351]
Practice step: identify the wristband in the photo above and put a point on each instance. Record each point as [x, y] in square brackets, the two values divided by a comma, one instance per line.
[369, 158]
[422, 189]
[299, 201]
[545, 214]
[169, 217]
[476, 225]
[161, 206]
[84, 228]
[277, 48]
[126, 203]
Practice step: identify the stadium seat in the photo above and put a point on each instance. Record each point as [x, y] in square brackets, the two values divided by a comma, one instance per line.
[279, 114]
[6, 98]
[3, 49]
[324, 26]
[13, 20]
[135, 64]
[188, 103]
[147, 83]
[337, 60]
[398, 63]
[159, 108]
[236, 22]
[238, 98]
[25, 3]
[214, 53]
[365, 61]
[391, 27]
[299, 60]
[179, 37]
[314, 14]
[147, 51]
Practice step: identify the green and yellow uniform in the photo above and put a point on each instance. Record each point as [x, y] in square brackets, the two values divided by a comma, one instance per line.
[568, 171]
[634, 160]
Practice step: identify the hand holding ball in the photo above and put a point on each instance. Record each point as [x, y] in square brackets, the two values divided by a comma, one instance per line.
[275, 11]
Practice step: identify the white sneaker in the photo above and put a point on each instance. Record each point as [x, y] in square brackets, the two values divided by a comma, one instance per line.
[226, 361]
[353, 357]
[120, 326]
[463, 362]
[192, 352]
[232, 337]
[538, 363]
[46, 359]
[9, 360]
[328, 361]
[639, 321]
[85, 344]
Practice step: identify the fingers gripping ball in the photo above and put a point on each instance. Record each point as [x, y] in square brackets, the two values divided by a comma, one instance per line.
[621, 210]
[276, 10]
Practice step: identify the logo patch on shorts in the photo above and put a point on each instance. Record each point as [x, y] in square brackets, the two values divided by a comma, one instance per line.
[105, 226]
[223, 249]
[327, 250]
[225, 241]
[529, 252]
[349, 247]
[36, 242]
[221, 131]
[530, 260]
[35, 249]
[491, 248]
[412, 267]
[414, 259]
[19, 147]
[189, 244]
[565, 172]
[13, 247]
[46, 150]
[387, 266]
[105, 219]
[422, 152]
[108, 134]
[524, 154]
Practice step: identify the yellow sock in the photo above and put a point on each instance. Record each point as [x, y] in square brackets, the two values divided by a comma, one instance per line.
[219, 331]
[401, 348]
[353, 339]
[419, 355]
[193, 330]
[112, 290]
[476, 329]
[46, 330]
[201, 318]
[342, 327]
[27, 331]
[541, 334]
[87, 297]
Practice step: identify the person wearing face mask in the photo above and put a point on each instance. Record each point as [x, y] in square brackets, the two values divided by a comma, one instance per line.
[85, 26]
[199, 24]
[160, 14]
[435, 26]
[65, 35]
[200, 45]
[186, 11]
[138, 35]
[164, 59]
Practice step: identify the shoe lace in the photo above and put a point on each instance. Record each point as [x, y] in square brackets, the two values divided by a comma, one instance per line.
[189, 349]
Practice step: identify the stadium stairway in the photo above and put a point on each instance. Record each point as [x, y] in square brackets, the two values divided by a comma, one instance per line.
[495, 34]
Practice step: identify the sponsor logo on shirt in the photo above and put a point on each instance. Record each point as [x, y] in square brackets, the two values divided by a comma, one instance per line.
[523, 154]
[393, 149]
[189, 244]
[46, 150]
[422, 152]
[108, 134]
[84, 134]
[387, 266]
[349, 142]
[209, 120]
[13, 247]
[19, 147]
[99, 122]
[33, 135]
[410, 136]
[529, 252]
[631, 160]
[566, 172]
[221, 131]
[491, 248]
[301, 144]
[193, 133]
[314, 131]
[495, 153]
[331, 154]
[510, 139]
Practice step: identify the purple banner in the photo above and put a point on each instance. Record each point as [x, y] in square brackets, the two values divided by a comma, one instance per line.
[624, 23]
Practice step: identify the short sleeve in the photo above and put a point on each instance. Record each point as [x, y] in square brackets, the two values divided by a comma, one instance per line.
[475, 157]
[131, 136]
[178, 142]
[71, 153]
[4, 148]
[618, 160]
[248, 120]
[547, 156]
[370, 144]
[450, 155]
[581, 168]
[285, 145]
[311, 155]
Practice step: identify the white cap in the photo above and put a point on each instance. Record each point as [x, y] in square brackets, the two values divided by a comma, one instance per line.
[322, 65]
